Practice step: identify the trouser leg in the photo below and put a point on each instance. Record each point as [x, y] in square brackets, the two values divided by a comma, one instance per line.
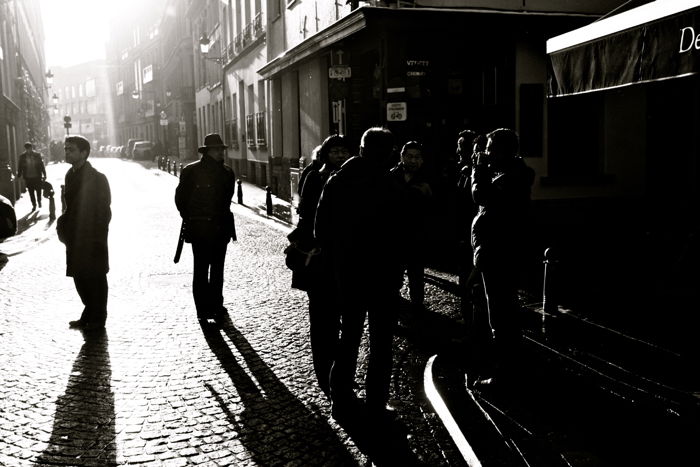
[201, 253]
[216, 275]
[31, 188]
[93, 290]
[382, 321]
[345, 364]
[501, 298]
[324, 326]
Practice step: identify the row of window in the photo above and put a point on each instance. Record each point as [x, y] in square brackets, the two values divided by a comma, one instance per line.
[79, 108]
[86, 89]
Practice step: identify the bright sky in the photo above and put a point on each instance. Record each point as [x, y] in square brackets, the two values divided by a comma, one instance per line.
[75, 30]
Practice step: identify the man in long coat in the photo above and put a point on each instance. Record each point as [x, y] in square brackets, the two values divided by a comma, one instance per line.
[83, 228]
[203, 198]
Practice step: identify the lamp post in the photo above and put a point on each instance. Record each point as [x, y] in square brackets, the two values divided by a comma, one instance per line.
[204, 46]
[164, 124]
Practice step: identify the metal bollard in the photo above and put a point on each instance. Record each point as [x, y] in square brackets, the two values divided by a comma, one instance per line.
[549, 302]
[240, 191]
[268, 200]
[175, 168]
[167, 163]
[52, 208]
[180, 168]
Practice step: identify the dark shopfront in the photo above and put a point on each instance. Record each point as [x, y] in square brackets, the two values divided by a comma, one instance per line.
[631, 98]
[426, 75]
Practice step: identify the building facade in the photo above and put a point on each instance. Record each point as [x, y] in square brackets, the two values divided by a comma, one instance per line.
[426, 70]
[23, 87]
[135, 74]
[83, 94]
[177, 63]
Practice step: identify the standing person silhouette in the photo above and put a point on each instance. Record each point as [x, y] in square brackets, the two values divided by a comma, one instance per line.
[31, 168]
[501, 184]
[203, 198]
[83, 228]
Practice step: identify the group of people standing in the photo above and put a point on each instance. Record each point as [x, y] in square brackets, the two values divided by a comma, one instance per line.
[363, 222]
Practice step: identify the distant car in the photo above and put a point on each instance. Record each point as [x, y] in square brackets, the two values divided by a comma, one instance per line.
[143, 151]
[130, 147]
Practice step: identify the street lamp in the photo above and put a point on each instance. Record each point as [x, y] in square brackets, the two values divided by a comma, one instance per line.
[49, 78]
[204, 46]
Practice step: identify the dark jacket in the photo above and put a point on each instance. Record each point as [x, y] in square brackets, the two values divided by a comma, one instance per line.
[303, 235]
[84, 225]
[358, 227]
[416, 199]
[203, 198]
[24, 159]
[500, 225]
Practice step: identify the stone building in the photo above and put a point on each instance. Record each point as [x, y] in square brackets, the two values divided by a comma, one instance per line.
[23, 87]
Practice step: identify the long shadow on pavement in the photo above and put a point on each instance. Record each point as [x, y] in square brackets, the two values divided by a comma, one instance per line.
[83, 429]
[275, 426]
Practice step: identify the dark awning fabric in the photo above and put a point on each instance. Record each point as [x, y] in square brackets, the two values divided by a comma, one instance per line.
[659, 49]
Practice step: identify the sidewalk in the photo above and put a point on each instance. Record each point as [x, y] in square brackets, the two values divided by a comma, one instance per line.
[35, 227]
[255, 199]
[586, 362]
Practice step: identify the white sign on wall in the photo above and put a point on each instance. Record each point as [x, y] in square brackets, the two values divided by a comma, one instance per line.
[396, 111]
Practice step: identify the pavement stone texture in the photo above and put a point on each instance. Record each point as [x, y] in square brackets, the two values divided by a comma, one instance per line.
[155, 389]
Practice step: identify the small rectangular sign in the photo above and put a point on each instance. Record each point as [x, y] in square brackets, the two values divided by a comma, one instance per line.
[339, 72]
[396, 111]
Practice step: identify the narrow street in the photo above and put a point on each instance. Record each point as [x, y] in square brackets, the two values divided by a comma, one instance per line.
[156, 388]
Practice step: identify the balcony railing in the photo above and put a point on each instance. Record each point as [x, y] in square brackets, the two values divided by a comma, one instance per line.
[252, 32]
[250, 130]
[258, 28]
[260, 132]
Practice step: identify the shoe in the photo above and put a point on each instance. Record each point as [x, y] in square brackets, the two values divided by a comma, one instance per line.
[33, 207]
[76, 324]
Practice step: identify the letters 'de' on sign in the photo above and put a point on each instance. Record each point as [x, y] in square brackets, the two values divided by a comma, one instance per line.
[396, 111]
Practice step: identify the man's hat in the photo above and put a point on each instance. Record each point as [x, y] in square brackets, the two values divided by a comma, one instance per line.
[212, 140]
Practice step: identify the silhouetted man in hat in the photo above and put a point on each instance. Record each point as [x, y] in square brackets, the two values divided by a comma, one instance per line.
[203, 198]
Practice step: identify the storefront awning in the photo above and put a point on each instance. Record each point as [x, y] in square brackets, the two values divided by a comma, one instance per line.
[656, 41]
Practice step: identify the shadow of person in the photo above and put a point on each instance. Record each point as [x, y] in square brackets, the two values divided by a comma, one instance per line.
[26, 221]
[275, 426]
[83, 429]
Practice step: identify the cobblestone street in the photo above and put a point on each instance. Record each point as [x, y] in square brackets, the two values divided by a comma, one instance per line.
[156, 388]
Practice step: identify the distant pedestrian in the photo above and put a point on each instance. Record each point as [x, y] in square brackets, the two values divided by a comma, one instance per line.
[315, 276]
[83, 228]
[501, 184]
[416, 199]
[357, 226]
[203, 198]
[31, 168]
